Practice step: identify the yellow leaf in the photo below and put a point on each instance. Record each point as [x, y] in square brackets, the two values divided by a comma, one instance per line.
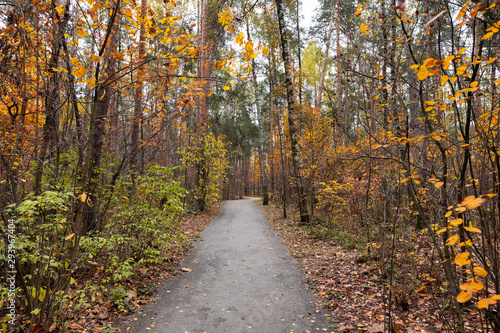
[453, 79]
[359, 5]
[414, 66]
[461, 69]
[461, 51]
[79, 72]
[363, 27]
[42, 295]
[69, 236]
[226, 17]
[475, 203]
[430, 102]
[444, 79]
[464, 296]
[484, 303]
[474, 84]
[440, 231]
[430, 62]
[466, 243]
[239, 38]
[438, 185]
[472, 229]
[496, 297]
[465, 201]
[462, 11]
[422, 75]
[480, 271]
[226, 88]
[435, 136]
[83, 197]
[452, 240]
[456, 222]
[491, 60]
[488, 35]
[489, 195]
[462, 260]
[118, 56]
[95, 58]
[60, 10]
[72, 281]
[448, 213]
[473, 285]
[449, 58]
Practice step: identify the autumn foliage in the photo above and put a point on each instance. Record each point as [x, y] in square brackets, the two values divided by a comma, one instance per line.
[118, 117]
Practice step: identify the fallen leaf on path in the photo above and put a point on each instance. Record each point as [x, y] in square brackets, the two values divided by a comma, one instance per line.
[376, 328]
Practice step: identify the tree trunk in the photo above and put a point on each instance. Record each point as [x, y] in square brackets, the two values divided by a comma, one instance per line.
[49, 135]
[299, 56]
[271, 129]
[296, 157]
[201, 167]
[325, 60]
[258, 111]
[339, 77]
[85, 216]
[284, 179]
[137, 119]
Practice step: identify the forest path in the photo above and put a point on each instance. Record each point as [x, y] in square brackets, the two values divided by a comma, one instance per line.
[242, 280]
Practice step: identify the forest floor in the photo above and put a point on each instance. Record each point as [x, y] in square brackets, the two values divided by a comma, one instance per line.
[239, 277]
[350, 288]
[347, 283]
[105, 313]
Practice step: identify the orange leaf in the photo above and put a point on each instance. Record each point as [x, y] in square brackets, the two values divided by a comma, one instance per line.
[480, 271]
[452, 240]
[462, 260]
[484, 303]
[472, 229]
[475, 203]
[472, 285]
[488, 35]
[464, 296]
[440, 231]
[465, 201]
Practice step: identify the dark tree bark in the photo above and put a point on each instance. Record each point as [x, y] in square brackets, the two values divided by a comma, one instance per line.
[85, 217]
[49, 135]
[296, 157]
[137, 119]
